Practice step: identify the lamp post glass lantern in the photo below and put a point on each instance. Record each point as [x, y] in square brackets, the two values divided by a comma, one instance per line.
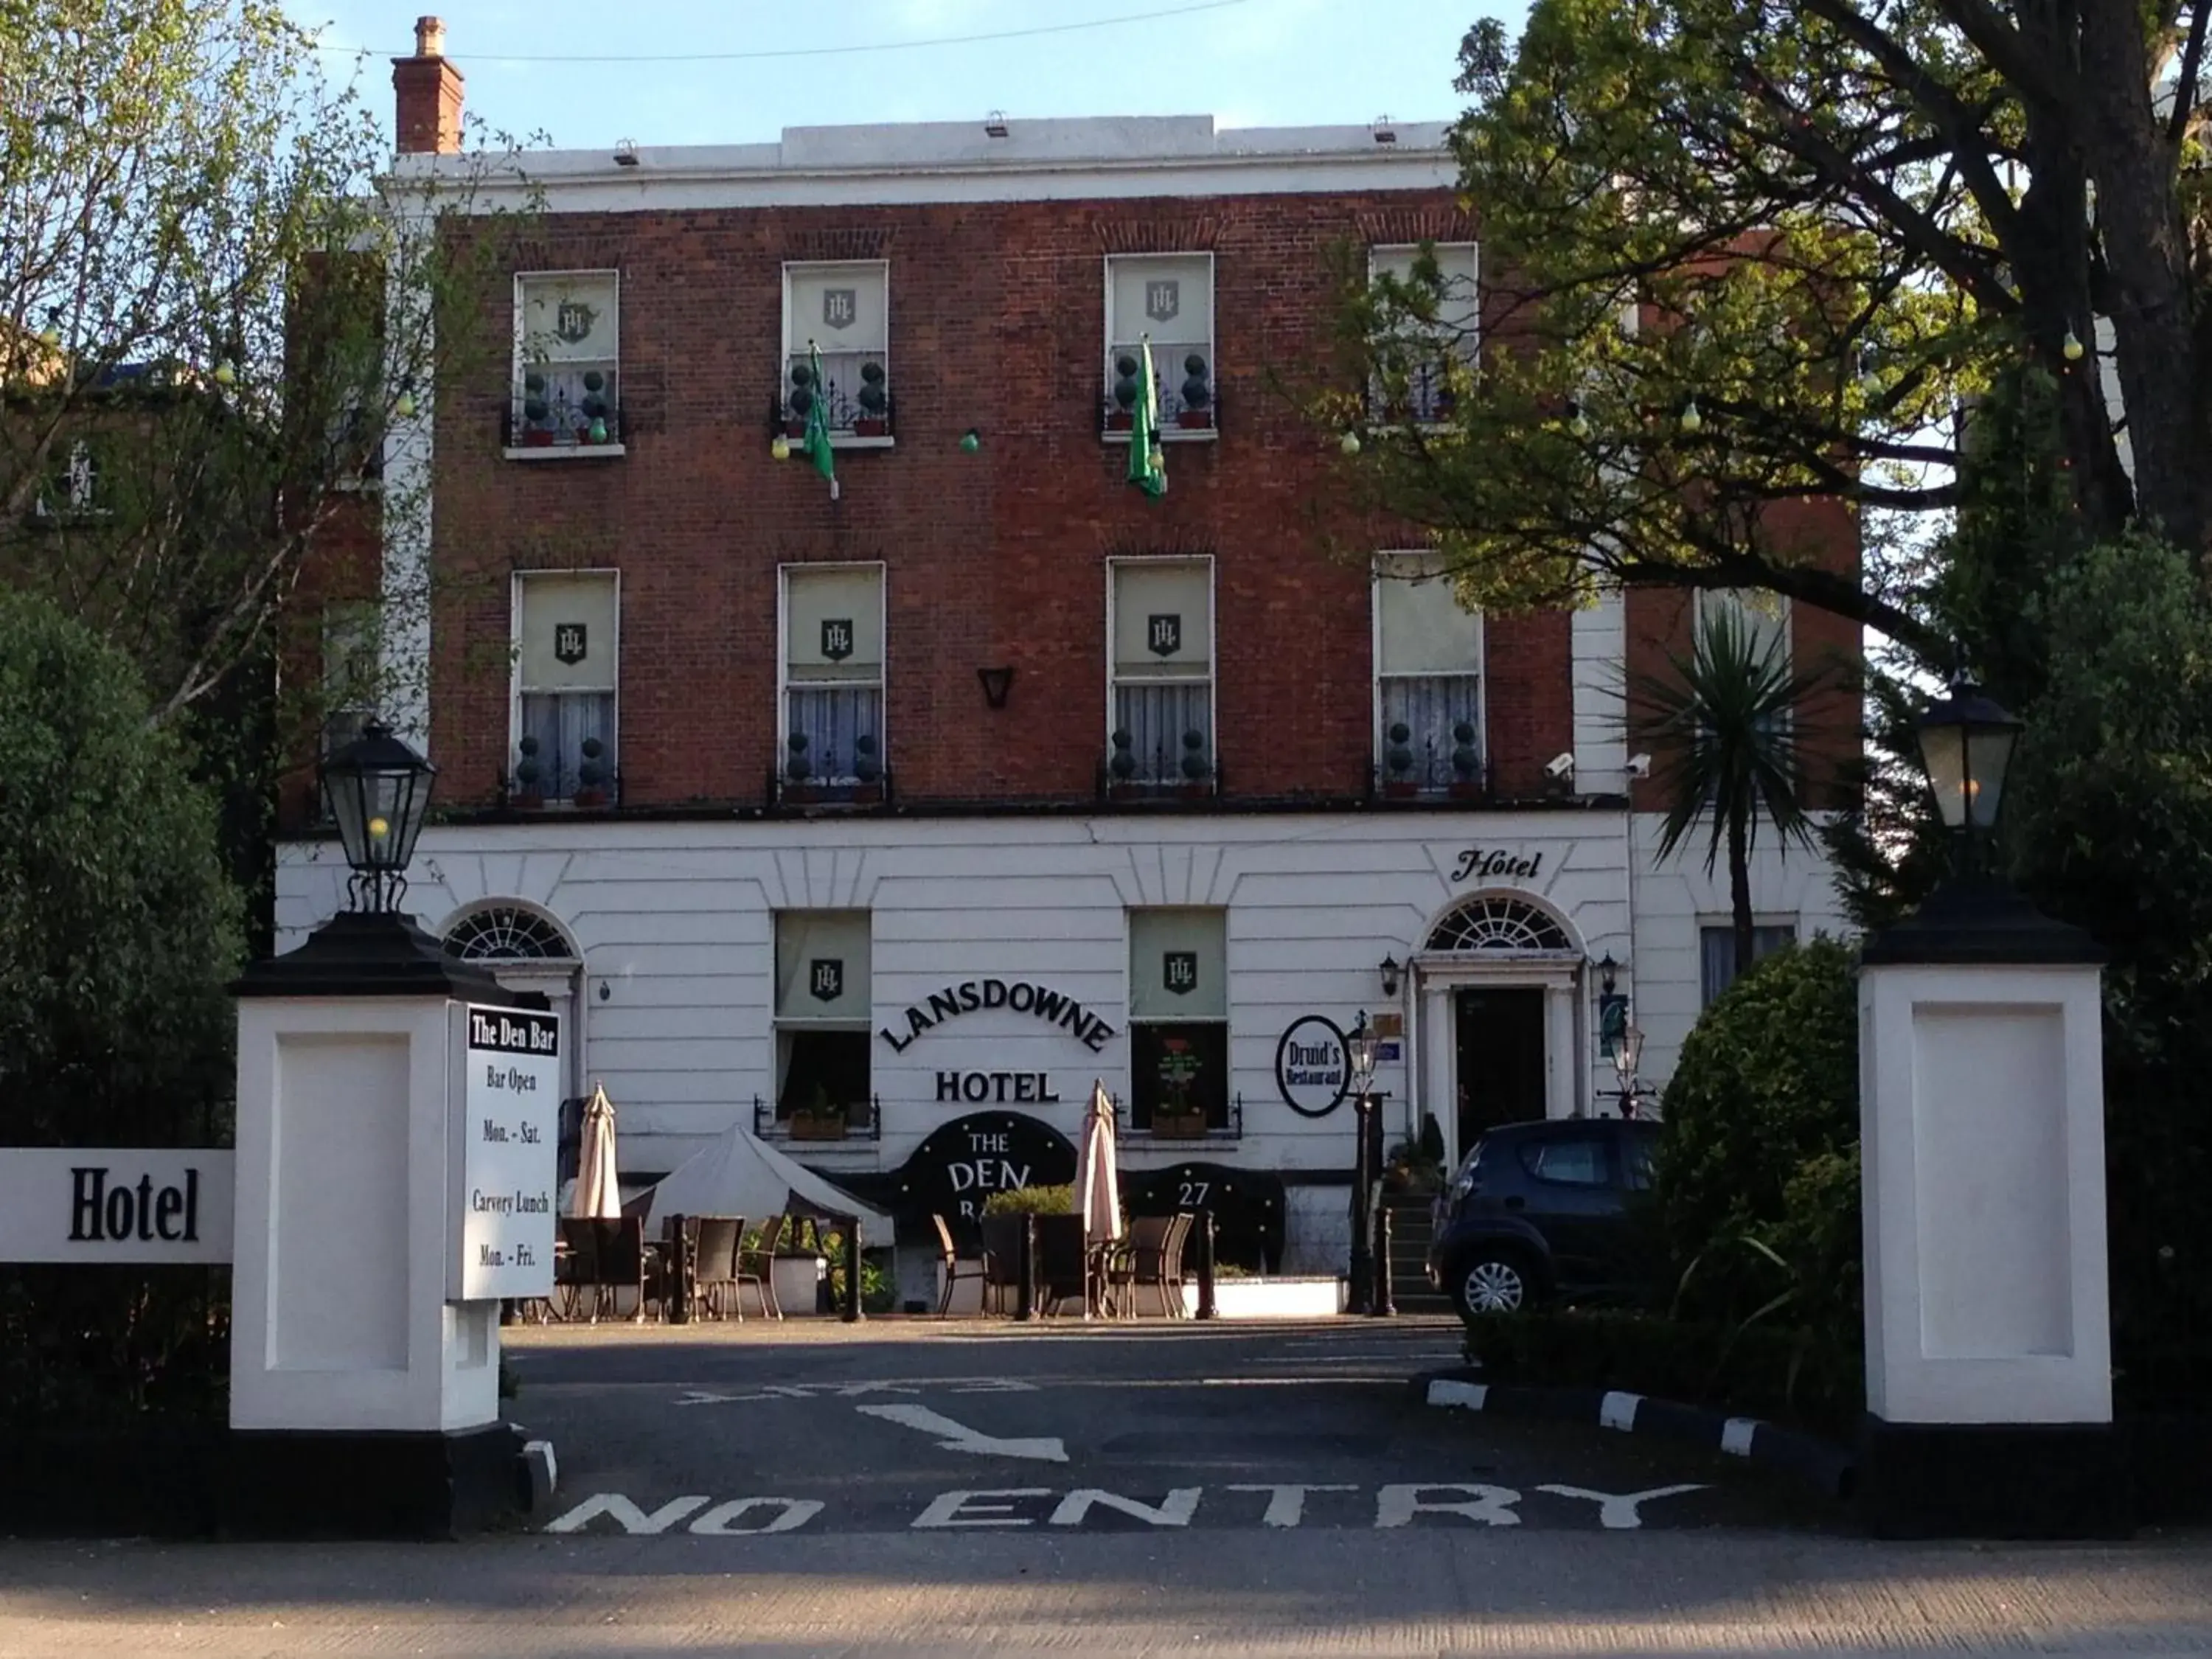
[1965, 744]
[379, 792]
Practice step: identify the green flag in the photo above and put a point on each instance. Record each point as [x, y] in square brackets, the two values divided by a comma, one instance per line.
[1148, 466]
[817, 424]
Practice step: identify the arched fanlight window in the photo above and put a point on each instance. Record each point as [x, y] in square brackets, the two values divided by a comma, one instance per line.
[507, 932]
[1493, 922]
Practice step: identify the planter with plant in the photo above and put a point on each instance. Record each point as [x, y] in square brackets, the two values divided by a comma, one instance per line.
[1122, 417]
[1398, 780]
[537, 413]
[592, 775]
[1032, 1201]
[1186, 1123]
[818, 1120]
[1196, 413]
[528, 791]
[874, 419]
[1466, 761]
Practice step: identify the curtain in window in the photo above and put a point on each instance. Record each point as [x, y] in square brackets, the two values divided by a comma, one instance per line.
[1716, 954]
[560, 721]
[1159, 719]
[842, 727]
[1430, 707]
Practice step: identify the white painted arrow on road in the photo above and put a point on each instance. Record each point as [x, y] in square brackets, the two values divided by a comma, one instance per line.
[959, 1436]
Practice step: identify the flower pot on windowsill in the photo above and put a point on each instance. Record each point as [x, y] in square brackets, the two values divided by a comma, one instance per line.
[585, 799]
[1400, 788]
[794, 428]
[1120, 420]
[1467, 789]
[526, 800]
[875, 427]
[1196, 420]
[808, 1126]
[1191, 1126]
[537, 437]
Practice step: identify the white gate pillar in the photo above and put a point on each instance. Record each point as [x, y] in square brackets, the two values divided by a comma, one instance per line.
[364, 1393]
[1988, 1329]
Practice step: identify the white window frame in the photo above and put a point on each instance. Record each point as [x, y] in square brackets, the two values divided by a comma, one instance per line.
[1229, 1127]
[515, 689]
[840, 438]
[780, 1023]
[614, 448]
[1708, 599]
[1722, 921]
[1376, 578]
[90, 507]
[1212, 658]
[783, 681]
[1474, 355]
[360, 618]
[1168, 433]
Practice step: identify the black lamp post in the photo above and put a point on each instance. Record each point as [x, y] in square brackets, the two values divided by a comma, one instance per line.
[379, 791]
[1967, 739]
[1360, 1055]
[1627, 1054]
[1965, 744]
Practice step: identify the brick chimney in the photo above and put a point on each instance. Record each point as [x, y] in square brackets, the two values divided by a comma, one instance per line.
[429, 94]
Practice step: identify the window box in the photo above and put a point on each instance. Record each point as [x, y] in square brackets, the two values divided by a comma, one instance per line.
[1187, 1125]
[807, 1125]
[1196, 420]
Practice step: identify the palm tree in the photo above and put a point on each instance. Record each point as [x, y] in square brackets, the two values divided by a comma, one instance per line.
[1725, 726]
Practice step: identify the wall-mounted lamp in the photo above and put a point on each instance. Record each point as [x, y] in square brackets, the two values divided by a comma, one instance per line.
[1385, 129]
[997, 682]
[1390, 970]
[1608, 971]
[994, 125]
[970, 441]
[625, 153]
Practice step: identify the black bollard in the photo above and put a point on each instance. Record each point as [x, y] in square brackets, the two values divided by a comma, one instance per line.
[1385, 1306]
[1204, 1231]
[1025, 1271]
[852, 1315]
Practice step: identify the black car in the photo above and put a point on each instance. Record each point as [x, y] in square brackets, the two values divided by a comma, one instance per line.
[1541, 1210]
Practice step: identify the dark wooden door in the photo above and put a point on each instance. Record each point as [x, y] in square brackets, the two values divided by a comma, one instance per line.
[1501, 1059]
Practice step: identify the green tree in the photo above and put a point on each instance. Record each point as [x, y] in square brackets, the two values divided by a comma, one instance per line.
[217, 300]
[1743, 256]
[1725, 726]
[117, 927]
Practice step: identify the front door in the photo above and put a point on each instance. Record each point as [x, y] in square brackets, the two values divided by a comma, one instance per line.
[1501, 1058]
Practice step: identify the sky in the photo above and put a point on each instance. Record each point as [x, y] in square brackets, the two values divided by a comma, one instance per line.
[1246, 63]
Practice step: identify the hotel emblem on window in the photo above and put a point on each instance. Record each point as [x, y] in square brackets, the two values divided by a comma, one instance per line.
[840, 306]
[837, 638]
[1163, 300]
[1179, 971]
[572, 321]
[568, 642]
[1164, 634]
[825, 978]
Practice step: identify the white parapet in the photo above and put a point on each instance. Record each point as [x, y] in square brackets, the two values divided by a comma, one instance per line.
[1982, 1109]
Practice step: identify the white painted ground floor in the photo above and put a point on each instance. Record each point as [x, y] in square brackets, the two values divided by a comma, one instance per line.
[882, 978]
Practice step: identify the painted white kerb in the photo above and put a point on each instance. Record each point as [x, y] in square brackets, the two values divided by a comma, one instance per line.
[1982, 1114]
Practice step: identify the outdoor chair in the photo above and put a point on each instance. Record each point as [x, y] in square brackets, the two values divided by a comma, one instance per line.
[1002, 1258]
[715, 1251]
[958, 1268]
[757, 1267]
[624, 1264]
[1152, 1259]
[575, 1263]
[1062, 1266]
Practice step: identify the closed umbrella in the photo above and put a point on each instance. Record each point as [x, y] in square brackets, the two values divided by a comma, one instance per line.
[597, 1193]
[1097, 1185]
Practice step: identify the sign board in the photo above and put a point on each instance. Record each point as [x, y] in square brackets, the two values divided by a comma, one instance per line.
[507, 1133]
[113, 1204]
[957, 1167]
[1248, 1207]
[1313, 1069]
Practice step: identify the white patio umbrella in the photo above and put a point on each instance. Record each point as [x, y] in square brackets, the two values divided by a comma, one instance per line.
[1098, 1184]
[596, 1192]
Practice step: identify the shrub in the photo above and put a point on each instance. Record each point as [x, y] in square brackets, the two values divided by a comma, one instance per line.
[1756, 1178]
[1032, 1201]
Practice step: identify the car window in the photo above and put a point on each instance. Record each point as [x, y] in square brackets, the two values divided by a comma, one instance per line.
[1576, 1160]
[1637, 1153]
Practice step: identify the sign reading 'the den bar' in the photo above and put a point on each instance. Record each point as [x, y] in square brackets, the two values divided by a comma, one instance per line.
[508, 1129]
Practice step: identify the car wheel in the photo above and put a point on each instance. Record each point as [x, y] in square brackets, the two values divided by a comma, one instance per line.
[1493, 1281]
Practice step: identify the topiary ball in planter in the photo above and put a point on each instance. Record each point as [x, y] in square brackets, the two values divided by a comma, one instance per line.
[872, 374]
[533, 381]
[527, 746]
[527, 772]
[1465, 760]
[802, 402]
[536, 409]
[1462, 731]
[594, 381]
[872, 400]
[1124, 762]
[1194, 365]
[1193, 755]
[595, 406]
[865, 766]
[592, 748]
[590, 774]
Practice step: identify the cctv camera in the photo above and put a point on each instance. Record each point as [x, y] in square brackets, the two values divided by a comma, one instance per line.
[1639, 766]
[1561, 767]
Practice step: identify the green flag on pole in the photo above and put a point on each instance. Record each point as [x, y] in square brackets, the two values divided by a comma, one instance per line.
[1148, 467]
[817, 423]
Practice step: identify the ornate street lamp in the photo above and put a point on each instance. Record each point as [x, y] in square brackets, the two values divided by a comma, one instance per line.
[1627, 1053]
[1360, 1052]
[1965, 744]
[379, 791]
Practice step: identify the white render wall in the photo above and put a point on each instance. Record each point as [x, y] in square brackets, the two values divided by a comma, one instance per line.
[675, 926]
